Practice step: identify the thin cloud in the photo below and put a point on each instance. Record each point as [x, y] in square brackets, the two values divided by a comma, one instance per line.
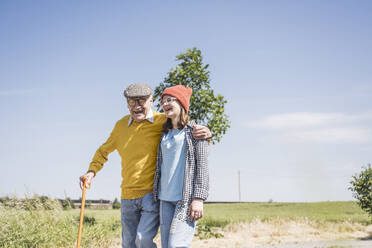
[335, 135]
[306, 120]
[15, 92]
[325, 128]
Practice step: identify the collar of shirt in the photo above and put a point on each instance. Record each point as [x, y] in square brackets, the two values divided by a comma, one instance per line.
[149, 117]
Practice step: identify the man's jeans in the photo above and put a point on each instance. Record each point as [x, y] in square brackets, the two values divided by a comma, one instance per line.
[174, 232]
[139, 222]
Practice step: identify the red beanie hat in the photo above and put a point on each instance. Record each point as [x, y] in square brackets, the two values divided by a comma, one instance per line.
[180, 92]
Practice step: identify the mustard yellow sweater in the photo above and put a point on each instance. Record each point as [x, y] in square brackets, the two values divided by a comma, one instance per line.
[137, 145]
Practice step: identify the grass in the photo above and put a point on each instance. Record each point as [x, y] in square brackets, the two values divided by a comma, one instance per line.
[317, 211]
[43, 223]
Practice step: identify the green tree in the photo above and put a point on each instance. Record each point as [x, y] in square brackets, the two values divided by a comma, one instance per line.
[206, 108]
[361, 185]
[116, 204]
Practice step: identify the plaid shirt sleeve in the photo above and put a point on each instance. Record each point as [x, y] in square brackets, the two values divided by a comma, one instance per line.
[201, 177]
[196, 181]
[157, 172]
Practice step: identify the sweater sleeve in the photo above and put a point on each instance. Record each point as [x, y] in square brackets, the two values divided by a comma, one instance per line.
[201, 184]
[101, 155]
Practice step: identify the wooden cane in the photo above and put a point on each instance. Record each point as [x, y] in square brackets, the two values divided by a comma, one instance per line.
[82, 212]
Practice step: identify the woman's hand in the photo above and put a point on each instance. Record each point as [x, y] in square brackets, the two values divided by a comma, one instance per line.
[196, 209]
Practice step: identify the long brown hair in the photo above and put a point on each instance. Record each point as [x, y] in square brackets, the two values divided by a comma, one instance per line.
[184, 119]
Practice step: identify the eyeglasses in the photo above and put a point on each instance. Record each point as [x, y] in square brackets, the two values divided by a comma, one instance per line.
[132, 101]
[167, 100]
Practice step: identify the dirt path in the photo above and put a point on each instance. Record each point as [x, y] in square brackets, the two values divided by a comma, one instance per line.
[320, 244]
[314, 244]
[288, 234]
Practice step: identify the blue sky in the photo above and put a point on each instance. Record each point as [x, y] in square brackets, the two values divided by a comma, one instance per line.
[296, 74]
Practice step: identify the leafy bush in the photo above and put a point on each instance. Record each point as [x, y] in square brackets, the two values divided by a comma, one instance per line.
[208, 228]
[116, 204]
[207, 232]
[88, 203]
[67, 204]
[116, 224]
[361, 185]
[89, 220]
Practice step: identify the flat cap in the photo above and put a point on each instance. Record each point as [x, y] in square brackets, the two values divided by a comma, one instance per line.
[138, 90]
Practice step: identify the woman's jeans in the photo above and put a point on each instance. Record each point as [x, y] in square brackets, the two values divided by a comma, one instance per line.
[174, 232]
[139, 222]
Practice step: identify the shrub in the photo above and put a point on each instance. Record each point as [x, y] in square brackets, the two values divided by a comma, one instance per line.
[116, 204]
[91, 221]
[88, 203]
[208, 228]
[207, 232]
[67, 203]
[361, 185]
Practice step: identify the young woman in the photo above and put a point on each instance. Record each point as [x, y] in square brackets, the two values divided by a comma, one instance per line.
[181, 178]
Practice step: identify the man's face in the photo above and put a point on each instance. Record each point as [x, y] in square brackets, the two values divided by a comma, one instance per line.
[139, 107]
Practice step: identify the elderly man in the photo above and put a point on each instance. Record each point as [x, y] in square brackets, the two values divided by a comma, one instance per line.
[136, 138]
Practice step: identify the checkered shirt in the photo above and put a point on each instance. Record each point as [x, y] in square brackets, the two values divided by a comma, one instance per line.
[196, 179]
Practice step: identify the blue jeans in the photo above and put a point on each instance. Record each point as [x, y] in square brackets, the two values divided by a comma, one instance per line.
[139, 222]
[174, 233]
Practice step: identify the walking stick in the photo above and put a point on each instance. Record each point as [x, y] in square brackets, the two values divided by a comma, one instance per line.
[82, 212]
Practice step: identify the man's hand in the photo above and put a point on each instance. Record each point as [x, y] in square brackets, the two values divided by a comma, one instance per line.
[196, 210]
[201, 132]
[88, 179]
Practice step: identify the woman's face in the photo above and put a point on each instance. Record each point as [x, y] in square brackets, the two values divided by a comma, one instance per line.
[171, 106]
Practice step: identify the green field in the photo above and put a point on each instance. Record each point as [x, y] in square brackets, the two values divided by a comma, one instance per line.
[317, 211]
[37, 227]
